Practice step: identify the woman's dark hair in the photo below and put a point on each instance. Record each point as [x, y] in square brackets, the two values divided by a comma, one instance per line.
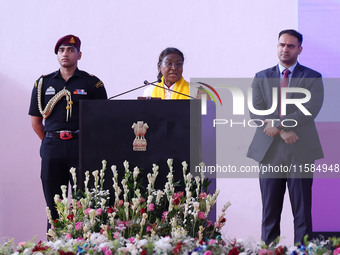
[166, 52]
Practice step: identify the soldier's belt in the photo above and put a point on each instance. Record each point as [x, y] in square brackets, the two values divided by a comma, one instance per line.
[63, 134]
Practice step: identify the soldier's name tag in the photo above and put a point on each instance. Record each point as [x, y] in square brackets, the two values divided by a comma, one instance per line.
[50, 91]
[80, 92]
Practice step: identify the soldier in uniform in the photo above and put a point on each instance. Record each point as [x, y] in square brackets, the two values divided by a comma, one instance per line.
[54, 111]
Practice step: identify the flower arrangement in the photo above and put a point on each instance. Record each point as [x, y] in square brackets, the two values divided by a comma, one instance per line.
[99, 244]
[137, 213]
[147, 221]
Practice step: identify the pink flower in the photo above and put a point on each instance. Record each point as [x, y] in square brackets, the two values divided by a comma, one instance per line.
[80, 239]
[203, 195]
[128, 223]
[177, 197]
[212, 242]
[78, 205]
[131, 240]
[164, 214]
[121, 225]
[207, 253]
[148, 228]
[120, 202]
[99, 211]
[336, 251]
[151, 207]
[106, 251]
[116, 235]
[21, 243]
[142, 200]
[87, 211]
[68, 236]
[266, 252]
[201, 215]
[79, 225]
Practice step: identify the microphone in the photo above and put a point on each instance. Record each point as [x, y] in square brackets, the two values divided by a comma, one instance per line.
[152, 83]
[174, 91]
[146, 83]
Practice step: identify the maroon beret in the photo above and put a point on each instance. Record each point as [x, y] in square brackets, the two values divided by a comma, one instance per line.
[68, 40]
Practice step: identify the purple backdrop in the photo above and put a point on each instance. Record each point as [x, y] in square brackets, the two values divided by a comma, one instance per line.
[318, 22]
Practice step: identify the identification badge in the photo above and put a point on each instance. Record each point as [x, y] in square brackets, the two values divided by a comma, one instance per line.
[50, 91]
[80, 92]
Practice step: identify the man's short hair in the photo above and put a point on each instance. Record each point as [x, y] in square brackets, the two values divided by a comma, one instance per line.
[293, 33]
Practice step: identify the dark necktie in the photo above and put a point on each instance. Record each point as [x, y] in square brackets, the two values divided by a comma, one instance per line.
[284, 83]
[285, 80]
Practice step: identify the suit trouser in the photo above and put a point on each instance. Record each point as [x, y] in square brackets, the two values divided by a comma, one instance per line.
[57, 157]
[273, 187]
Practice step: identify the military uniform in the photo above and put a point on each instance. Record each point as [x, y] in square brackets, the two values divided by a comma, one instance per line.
[59, 106]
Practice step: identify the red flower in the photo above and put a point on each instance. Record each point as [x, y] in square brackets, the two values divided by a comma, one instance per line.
[65, 253]
[70, 217]
[280, 251]
[142, 210]
[177, 248]
[177, 197]
[38, 247]
[110, 210]
[234, 251]
[144, 252]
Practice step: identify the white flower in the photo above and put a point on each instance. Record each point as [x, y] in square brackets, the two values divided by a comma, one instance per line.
[226, 206]
[74, 178]
[185, 165]
[64, 189]
[312, 246]
[170, 162]
[135, 173]
[155, 169]
[159, 196]
[27, 251]
[291, 249]
[126, 166]
[114, 171]
[57, 244]
[95, 174]
[141, 243]
[196, 206]
[98, 238]
[163, 245]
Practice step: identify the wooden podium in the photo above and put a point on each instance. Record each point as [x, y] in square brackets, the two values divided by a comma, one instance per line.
[174, 131]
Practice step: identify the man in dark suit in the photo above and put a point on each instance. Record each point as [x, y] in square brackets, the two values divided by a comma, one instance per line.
[287, 145]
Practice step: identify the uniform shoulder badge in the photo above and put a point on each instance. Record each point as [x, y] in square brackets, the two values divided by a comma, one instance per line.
[36, 82]
[99, 84]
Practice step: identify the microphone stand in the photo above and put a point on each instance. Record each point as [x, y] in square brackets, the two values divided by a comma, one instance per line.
[146, 83]
[128, 91]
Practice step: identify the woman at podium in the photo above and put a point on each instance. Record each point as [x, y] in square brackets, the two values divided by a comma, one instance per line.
[171, 83]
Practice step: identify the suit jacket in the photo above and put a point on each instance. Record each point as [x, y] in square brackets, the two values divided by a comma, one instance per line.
[308, 147]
